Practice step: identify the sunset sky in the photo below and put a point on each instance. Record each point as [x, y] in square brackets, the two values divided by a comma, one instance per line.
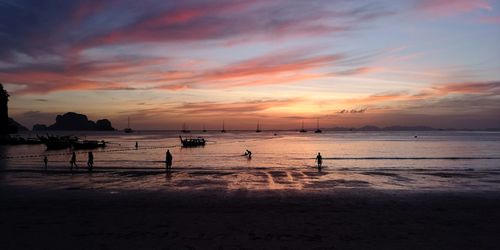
[163, 63]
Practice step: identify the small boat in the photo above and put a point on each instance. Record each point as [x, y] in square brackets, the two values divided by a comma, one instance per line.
[58, 142]
[184, 129]
[17, 140]
[223, 128]
[192, 142]
[204, 130]
[302, 130]
[128, 129]
[33, 141]
[317, 131]
[258, 128]
[86, 144]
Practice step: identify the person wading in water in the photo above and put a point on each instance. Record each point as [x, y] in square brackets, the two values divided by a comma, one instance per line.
[319, 160]
[168, 160]
[90, 162]
[45, 161]
[72, 162]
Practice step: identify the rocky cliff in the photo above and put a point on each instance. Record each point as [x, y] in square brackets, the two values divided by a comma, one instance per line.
[75, 121]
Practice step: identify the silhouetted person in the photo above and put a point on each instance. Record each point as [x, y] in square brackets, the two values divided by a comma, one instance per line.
[72, 162]
[319, 159]
[168, 160]
[136, 145]
[248, 153]
[90, 162]
[45, 161]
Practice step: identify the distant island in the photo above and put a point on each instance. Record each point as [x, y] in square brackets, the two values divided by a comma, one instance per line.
[75, 121]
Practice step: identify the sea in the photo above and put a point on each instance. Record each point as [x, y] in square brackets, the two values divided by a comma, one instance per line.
[281, 160]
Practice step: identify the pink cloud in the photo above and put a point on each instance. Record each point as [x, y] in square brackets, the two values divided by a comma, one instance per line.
[452, 7]
[41, 79]
[284, 67]
[84, 10]
[470, 88]
[235, 21]
[438, 91]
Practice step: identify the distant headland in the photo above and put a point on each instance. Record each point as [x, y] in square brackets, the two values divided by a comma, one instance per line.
[7, 124]
[75, 121]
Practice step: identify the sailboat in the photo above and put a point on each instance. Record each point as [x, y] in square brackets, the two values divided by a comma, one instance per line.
[128, 129]
[317, 131]
[258, 127]
[302, 130]
[204, 130]
[184, 128]
[223, 128]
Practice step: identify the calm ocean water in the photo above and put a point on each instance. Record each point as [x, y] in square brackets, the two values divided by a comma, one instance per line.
[388, 160]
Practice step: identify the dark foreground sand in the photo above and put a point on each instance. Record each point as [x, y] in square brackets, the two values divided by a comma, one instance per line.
[342, 219]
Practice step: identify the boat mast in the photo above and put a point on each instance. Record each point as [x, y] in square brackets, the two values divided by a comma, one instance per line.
[302, 130]
[317, 127]
[223, 127]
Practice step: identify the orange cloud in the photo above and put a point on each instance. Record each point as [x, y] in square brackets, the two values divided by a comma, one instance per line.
[173, 87]
[239, 108]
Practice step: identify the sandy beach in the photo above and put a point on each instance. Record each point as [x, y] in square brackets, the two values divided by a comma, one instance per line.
[342, 219]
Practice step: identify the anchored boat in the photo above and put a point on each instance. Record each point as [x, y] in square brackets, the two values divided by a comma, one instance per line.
[128, 129]
[302, 130]
[258, 127]
[317, 131]
[185, 129]
[86, 144]
[223, 128]
[192, 142]
[58, 142]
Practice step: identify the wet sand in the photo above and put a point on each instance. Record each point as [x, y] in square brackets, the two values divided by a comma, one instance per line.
[353, 218]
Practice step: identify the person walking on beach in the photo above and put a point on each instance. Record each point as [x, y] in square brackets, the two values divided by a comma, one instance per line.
[168, 160]
[136, 145]
[45, 161]
[90, 162]
[72, 162]
[319, 159]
